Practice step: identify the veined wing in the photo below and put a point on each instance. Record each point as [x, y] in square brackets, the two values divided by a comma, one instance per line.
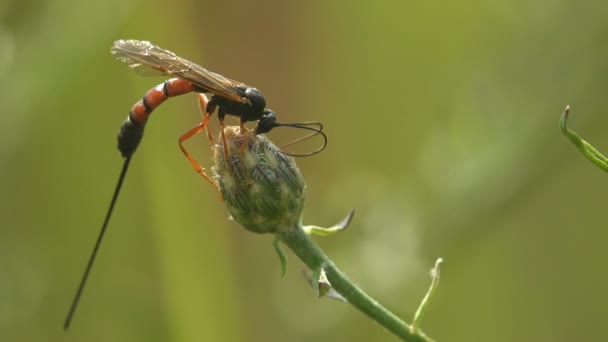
[146, 59]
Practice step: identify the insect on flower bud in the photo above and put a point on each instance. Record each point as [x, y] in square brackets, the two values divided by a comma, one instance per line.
[262, 187]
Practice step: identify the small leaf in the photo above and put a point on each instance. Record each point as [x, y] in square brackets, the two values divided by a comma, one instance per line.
[322, 286]
[429, 294]
[320, 283]
[321, 231]
[282, 256]
[586, 149]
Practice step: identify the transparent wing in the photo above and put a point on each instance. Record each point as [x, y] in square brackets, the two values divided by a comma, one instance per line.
[148, 59]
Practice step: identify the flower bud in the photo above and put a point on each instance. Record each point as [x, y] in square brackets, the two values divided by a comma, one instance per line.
[263, 188]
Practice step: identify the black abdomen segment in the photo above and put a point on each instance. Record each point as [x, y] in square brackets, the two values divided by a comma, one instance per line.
[132, 130]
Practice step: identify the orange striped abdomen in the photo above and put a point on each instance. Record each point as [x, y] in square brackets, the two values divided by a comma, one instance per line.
[132, 129]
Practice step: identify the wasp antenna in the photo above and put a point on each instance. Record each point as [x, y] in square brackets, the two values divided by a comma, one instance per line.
[305, 125]
[85, 276]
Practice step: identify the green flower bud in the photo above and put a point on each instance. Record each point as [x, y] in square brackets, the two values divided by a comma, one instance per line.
[263, 188]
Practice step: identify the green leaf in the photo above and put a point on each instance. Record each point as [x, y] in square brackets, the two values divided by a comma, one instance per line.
[586, 149]
[429, 294]
[282, 256]
[321, 231]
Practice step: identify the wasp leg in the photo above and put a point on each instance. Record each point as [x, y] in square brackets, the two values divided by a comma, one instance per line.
[221, 114]
[243, 131]
[224, 142]
[192, 132]
[227, 153]
[242, 127]
[244, 143]
[203, 101]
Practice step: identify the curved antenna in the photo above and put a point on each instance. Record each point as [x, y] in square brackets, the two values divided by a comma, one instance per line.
[85, 276]
[304, 125]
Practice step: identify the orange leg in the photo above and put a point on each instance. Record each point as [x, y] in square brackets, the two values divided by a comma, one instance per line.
[192, 132]
[243, 131]
[226, 154]
[246, 142]
[242, 127]
[202, 103]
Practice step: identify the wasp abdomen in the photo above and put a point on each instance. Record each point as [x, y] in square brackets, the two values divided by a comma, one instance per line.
[132, 130]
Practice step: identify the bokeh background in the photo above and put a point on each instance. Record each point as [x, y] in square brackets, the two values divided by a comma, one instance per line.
[442, 118]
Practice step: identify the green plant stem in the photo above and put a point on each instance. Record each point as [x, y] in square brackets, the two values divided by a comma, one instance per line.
[303, 246]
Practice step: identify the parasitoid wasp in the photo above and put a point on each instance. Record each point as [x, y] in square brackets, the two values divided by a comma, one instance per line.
[228, 96]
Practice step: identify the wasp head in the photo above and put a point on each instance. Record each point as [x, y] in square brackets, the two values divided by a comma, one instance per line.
[267, 122]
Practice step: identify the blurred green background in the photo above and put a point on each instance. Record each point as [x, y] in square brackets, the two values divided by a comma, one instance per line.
[442, 118]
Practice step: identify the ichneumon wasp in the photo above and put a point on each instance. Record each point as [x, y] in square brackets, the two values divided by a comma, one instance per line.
[227, 96]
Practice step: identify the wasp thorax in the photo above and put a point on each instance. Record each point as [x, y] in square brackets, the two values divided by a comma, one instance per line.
[262, 187]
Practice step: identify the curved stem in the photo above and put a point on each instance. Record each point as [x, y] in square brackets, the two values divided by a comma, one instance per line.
[301, 244]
